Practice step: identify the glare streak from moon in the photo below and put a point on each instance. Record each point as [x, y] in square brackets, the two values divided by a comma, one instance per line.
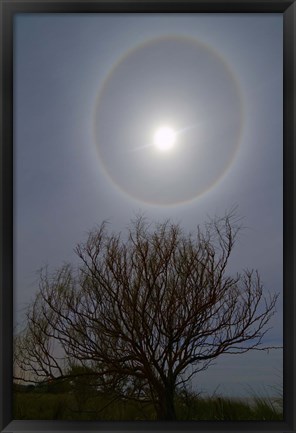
[177, 134]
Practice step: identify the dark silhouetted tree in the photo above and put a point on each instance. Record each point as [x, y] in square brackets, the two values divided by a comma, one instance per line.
[145, 312]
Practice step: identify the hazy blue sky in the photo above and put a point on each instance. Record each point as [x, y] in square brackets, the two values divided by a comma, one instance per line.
[91, 90]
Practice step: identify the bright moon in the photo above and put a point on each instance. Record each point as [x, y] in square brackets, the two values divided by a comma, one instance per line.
[164, 138]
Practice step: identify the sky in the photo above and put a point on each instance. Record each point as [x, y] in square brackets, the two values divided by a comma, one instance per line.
[91, 93]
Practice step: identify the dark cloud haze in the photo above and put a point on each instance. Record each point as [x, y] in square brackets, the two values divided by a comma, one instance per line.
[87, 101]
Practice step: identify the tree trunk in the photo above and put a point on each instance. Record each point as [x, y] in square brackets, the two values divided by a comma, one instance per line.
[166, 405]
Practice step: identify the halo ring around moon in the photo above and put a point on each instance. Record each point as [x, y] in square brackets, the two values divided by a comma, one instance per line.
[125, 110]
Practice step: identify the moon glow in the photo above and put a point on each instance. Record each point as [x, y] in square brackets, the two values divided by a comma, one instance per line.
[195, 89]
[164, 138]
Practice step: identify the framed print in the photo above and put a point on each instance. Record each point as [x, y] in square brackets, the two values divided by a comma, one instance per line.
[147, 216]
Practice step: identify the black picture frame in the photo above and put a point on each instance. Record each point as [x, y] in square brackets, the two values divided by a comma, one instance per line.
[8, 8]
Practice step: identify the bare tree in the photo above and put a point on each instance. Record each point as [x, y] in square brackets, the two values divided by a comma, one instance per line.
[145, 313]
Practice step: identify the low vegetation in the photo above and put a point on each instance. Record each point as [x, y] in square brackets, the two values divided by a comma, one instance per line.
[31, 402]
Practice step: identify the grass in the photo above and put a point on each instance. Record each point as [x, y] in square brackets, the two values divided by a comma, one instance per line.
[229, 409]
[66, 406]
